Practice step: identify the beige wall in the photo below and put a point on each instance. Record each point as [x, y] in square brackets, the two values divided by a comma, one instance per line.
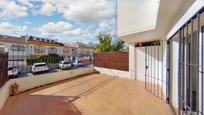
[26, 83]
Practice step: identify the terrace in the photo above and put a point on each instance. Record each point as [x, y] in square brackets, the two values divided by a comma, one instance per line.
[94, 94]
[161, 74]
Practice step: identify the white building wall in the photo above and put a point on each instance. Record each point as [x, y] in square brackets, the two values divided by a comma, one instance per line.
[128, 26]
[157, 69]
[132, 62]
[16, 55]
[60, 51]
[174, 74]
[114, 72]
[139, 68]
[140, 63]
[158, 59]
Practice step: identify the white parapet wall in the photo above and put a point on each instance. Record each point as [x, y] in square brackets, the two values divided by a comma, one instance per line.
[114, 72]
[26, 83]
[4, 93]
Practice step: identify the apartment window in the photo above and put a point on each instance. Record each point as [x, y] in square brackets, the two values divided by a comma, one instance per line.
[1, 49]
[52, 50]
[39, 50]
[17, 48]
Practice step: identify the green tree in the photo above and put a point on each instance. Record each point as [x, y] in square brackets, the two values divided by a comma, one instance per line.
[106, 45]
[118, 46]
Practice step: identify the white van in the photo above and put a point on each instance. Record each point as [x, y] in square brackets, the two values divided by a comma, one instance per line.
[39, 67]
[13, 72]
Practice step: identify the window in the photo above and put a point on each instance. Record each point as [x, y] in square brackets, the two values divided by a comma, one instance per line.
[80, 61]
[66, 62]
[40, 65]
[17, 48]
[52, 50]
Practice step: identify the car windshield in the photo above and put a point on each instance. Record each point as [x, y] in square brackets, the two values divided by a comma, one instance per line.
[11, 68]
[66, 62]
[40, 65]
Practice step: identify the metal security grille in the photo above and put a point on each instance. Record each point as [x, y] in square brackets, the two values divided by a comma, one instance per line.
[190, 66]
[155, 83]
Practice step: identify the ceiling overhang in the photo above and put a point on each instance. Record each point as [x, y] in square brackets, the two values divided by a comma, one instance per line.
[169, 12]
[143, 13]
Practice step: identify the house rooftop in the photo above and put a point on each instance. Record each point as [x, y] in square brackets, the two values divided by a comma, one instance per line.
[12, 39]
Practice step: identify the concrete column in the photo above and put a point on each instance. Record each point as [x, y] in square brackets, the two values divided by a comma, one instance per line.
[132, 61]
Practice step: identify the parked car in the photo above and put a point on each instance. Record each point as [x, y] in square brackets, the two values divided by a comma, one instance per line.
[65, 65]
[39, 67]
[13, 72]
[78, 63]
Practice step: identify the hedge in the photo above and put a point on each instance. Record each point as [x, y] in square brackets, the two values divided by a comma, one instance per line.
[50, 58]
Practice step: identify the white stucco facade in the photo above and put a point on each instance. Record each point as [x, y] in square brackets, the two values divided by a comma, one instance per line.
[170, 16]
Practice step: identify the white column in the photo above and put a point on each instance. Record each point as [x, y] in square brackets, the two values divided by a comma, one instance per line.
[132, 61]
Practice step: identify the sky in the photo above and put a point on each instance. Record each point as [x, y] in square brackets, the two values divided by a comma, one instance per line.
[68, 21]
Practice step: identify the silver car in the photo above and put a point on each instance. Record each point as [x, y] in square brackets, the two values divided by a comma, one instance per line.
[78, 63]
[65, 65]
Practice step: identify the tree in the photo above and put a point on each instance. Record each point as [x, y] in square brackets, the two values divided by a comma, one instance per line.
[118, 46]
[106, 45]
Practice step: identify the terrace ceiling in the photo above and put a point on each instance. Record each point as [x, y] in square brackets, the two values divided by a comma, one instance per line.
[148, 21]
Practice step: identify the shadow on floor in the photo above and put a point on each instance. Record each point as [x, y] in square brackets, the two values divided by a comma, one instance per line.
[41, 105]
[28, 103]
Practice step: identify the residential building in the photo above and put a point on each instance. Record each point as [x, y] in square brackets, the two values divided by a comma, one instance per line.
[70, 52]
[79, 51]
[85, 52]
[43, 46]
[17, 49]
[165, 40]
[2, 50]
[20, 48]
